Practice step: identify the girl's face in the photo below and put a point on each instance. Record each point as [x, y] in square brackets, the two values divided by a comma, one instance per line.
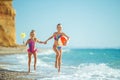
[32, 34]
[59, 28]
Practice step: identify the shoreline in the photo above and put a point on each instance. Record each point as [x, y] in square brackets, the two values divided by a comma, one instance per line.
[19, 50]
[13, 50]
[6, 74]
[13, 75]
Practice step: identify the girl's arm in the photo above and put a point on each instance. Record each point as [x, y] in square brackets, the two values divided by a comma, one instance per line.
[66, 36]
[40, 41]
[26, 42]
[49, 38]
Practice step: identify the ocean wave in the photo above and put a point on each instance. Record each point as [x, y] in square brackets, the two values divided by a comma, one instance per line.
[43, 63]
[46, 52]
[21, 59]
[96, 72]
[83, 71]
[66, 50]
[89, 71]
[50, 51]
[91, 53]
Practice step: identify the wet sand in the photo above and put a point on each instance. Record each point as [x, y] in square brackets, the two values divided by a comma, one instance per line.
[9, 74]
[13, 75]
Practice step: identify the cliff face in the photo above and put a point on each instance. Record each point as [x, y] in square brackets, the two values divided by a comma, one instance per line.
[7, 24]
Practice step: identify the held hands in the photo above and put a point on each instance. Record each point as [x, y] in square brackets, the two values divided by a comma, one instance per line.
[45, 42]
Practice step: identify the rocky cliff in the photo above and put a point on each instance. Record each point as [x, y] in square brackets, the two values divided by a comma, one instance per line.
[7, 24]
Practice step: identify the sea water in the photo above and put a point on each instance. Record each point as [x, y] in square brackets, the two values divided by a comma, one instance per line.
[77, 64]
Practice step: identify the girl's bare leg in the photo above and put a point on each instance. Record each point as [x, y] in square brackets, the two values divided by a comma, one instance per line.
[59, 60]
[29, 61]
[35, 60]
[57, 55]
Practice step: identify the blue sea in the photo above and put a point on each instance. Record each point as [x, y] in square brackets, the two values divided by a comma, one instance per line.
[77, 64]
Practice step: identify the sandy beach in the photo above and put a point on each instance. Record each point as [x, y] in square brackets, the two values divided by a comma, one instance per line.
[12, 75]
[5, 73]
[12, 50]
[9, 74]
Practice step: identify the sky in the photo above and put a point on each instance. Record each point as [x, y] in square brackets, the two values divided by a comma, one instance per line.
[88, 23]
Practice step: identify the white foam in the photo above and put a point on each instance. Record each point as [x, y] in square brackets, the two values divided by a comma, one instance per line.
[22, 59]
[88, 72]
[47, 58]
[96, 72]
[66, 50]
[46, 52]
[84, 71]
[50, 51]
[42, 63]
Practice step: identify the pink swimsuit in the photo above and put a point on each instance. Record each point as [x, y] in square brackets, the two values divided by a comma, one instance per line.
[32, 48]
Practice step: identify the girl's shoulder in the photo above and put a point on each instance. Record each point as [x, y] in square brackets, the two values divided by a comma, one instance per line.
[35, 39]
[55, 33]
[28, 40]
[62, 33]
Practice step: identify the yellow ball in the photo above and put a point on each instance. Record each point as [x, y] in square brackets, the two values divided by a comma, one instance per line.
[22, 35]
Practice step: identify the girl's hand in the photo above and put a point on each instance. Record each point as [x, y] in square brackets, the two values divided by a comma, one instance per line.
[45, 42]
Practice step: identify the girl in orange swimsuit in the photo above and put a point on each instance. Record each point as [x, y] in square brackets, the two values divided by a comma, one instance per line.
[56, 47]
[32, 50]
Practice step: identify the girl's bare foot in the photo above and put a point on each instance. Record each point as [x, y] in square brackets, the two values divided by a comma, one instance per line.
[29, 70]
[34, 67]
[58, 70]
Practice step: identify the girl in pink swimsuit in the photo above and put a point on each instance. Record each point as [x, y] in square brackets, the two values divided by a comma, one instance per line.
[32, 50]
